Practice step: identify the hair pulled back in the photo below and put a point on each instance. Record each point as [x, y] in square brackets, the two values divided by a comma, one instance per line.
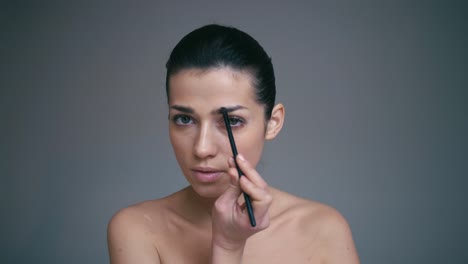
[216, 46]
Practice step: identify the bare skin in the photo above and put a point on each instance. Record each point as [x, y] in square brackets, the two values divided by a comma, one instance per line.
[206, 222]
[300, 231]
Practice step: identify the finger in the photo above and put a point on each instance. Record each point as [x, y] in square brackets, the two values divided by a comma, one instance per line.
[231, 162]
[257, 194]
[250, 172]
[234, 172]
[261, 200]
[260, 197]
[232, 193]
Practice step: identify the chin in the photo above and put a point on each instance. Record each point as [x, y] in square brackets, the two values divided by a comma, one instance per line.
[209, 192]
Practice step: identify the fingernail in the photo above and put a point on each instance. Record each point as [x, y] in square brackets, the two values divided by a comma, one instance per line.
[241, 157]
[231, 160]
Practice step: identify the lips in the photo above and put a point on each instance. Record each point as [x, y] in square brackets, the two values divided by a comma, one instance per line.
[206, 174]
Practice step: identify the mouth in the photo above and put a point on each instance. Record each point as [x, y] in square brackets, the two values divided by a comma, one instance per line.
[206, 174]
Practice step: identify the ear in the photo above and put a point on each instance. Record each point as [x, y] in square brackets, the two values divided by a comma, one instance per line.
[275, 123]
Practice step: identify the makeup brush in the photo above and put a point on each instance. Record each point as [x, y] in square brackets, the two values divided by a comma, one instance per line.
[248, 203]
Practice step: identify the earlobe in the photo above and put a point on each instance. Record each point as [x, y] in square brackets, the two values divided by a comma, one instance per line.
[276, 122]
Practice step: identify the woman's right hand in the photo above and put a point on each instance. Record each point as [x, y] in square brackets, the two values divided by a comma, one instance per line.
[231, 224]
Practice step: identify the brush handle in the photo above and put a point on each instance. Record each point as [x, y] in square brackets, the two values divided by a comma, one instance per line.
[248, 202]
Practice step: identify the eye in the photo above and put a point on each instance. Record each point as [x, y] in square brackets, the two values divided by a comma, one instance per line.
[182, 120]
[235, 121]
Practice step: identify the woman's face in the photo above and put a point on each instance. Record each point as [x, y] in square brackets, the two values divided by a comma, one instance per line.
[197, 131]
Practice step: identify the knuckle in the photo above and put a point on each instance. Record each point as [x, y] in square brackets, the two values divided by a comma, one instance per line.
[264, 185]
[268, 198]
[250, 170]
[219, 206]
[232, 172]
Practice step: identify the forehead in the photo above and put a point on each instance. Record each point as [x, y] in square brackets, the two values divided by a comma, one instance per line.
[215, 85]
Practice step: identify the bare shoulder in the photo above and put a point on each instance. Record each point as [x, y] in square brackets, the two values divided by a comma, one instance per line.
[325, 228]
[131, 234]
[305, 209]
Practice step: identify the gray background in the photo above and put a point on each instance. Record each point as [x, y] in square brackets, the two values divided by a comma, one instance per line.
[376, 118]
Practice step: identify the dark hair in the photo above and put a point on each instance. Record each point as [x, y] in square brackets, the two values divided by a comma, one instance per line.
[214, 46]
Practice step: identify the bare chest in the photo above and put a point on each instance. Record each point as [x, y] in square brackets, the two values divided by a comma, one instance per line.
[191, 248]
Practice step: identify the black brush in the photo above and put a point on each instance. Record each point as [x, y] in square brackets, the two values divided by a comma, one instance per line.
[248, 203]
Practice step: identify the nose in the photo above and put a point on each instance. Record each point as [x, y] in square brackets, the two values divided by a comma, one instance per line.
[205, 143]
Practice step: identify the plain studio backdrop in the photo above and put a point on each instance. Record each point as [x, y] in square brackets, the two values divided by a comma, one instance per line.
[376, 118]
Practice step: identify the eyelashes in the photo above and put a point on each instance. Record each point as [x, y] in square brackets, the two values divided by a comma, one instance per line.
[187, 120]
[182, 120]
[235, 121]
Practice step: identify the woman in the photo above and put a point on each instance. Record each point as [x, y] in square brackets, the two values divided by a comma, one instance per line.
[210, 68]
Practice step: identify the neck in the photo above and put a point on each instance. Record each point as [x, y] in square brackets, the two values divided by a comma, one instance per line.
[195, 207]
[198, 209]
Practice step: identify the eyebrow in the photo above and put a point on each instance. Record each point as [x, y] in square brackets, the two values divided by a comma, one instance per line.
[189, 110]
[184, 109]
[228, 109]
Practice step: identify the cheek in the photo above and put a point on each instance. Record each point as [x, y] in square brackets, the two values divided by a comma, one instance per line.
[251, 146]
[180, 142]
